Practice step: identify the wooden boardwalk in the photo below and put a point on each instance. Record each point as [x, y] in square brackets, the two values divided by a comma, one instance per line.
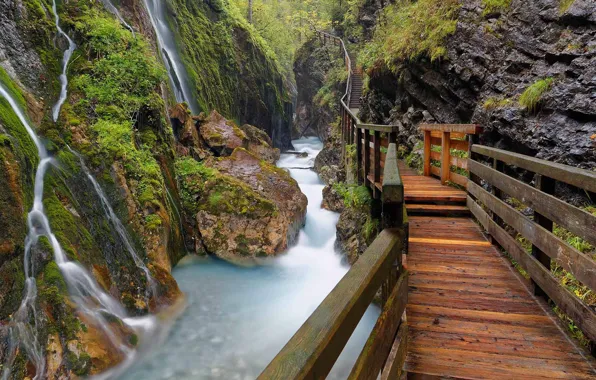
[470, 314]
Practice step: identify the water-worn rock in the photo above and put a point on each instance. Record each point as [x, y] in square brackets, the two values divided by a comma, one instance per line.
[350, 237]
[246, 207]
[221, 135]
[491, 60]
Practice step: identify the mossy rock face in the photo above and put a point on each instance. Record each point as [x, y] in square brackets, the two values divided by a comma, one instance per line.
[231, 67]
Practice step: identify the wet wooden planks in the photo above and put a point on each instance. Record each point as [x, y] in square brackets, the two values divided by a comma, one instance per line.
[421, 189]
[470, 316]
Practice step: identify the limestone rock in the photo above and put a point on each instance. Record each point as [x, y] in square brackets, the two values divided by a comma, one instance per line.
[260, 144]
[245, 207]
[221, 135]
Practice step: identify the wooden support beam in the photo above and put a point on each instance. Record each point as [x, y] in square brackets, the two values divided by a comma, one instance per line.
[366, 156]
[445, 158]
[379, 343]
[360, 175]
[393, 191]
[427, 146]
[376, 161]
[546, 185]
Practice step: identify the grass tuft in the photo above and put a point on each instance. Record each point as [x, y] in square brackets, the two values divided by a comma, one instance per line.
[410, 29]
[533, 94]
[494, 6]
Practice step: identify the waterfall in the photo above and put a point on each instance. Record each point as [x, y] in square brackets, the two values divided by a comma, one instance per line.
[65, 59]
[112, 9]
[118, 226]
[165, 39]
[95, 304]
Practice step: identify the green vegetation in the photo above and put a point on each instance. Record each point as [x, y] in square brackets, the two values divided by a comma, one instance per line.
[203, 188]
[564, 5]
[493, 6]
[353, 195]
[493, 103]
[533, 94]
[116, 81]
[227, 60]
[408, 30]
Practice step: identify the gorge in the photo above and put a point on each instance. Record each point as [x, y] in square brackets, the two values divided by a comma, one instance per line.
[175, 198]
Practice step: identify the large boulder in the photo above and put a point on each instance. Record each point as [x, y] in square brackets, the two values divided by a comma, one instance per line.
[245, 207]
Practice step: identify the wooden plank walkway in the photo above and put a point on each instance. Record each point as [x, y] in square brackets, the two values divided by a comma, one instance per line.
[470, 315]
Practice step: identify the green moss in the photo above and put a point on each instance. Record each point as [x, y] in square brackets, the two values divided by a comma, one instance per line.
[496, 103]
[153, 222]
[204, 188]
[493, 6]
[227, 61]
[370, 229]
[533, 94]
[564, 5]
[410, 29]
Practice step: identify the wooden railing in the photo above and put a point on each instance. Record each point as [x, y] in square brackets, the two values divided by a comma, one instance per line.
[314, 349]
[504, 222]
[451, 138]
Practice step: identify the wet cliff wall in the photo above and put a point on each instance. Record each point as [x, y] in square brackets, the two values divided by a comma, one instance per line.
[524, 70]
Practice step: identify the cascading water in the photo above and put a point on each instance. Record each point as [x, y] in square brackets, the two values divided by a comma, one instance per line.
[113, 10]
[165, 39]
[118, 226]
[96, 305]
[65, 59]
[237, 319]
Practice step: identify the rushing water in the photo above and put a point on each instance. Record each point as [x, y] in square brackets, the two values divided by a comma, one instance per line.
[238, 319]
[165, 39]
[96, 305]
[65, 59]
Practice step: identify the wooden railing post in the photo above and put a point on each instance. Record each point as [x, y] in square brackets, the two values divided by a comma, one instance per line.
[427, 150]
[360, 176]
[393, 191]
[546, 185]
[376, 162]
[392, 198]
[445, 157]
[366, 155]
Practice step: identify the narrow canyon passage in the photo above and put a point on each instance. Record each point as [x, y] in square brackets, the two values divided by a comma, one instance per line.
[237, 318]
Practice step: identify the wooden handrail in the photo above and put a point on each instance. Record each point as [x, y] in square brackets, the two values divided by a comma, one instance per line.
[445, 138]
[548, 209]
[581, 178]
[313, 350]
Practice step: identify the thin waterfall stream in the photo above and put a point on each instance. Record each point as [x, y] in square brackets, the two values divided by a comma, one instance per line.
[65, 59]
[97, 306]
[177, 74]
[237, 319]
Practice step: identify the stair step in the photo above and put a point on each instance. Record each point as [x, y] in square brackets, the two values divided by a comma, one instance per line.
[430, 209]
[457, 197]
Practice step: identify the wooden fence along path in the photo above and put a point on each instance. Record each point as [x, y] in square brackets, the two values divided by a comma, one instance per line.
[453, 305]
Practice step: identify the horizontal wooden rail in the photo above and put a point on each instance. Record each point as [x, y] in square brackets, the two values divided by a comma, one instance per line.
[583, 179]
[467, 129]
[313, 350]
[548, 209]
